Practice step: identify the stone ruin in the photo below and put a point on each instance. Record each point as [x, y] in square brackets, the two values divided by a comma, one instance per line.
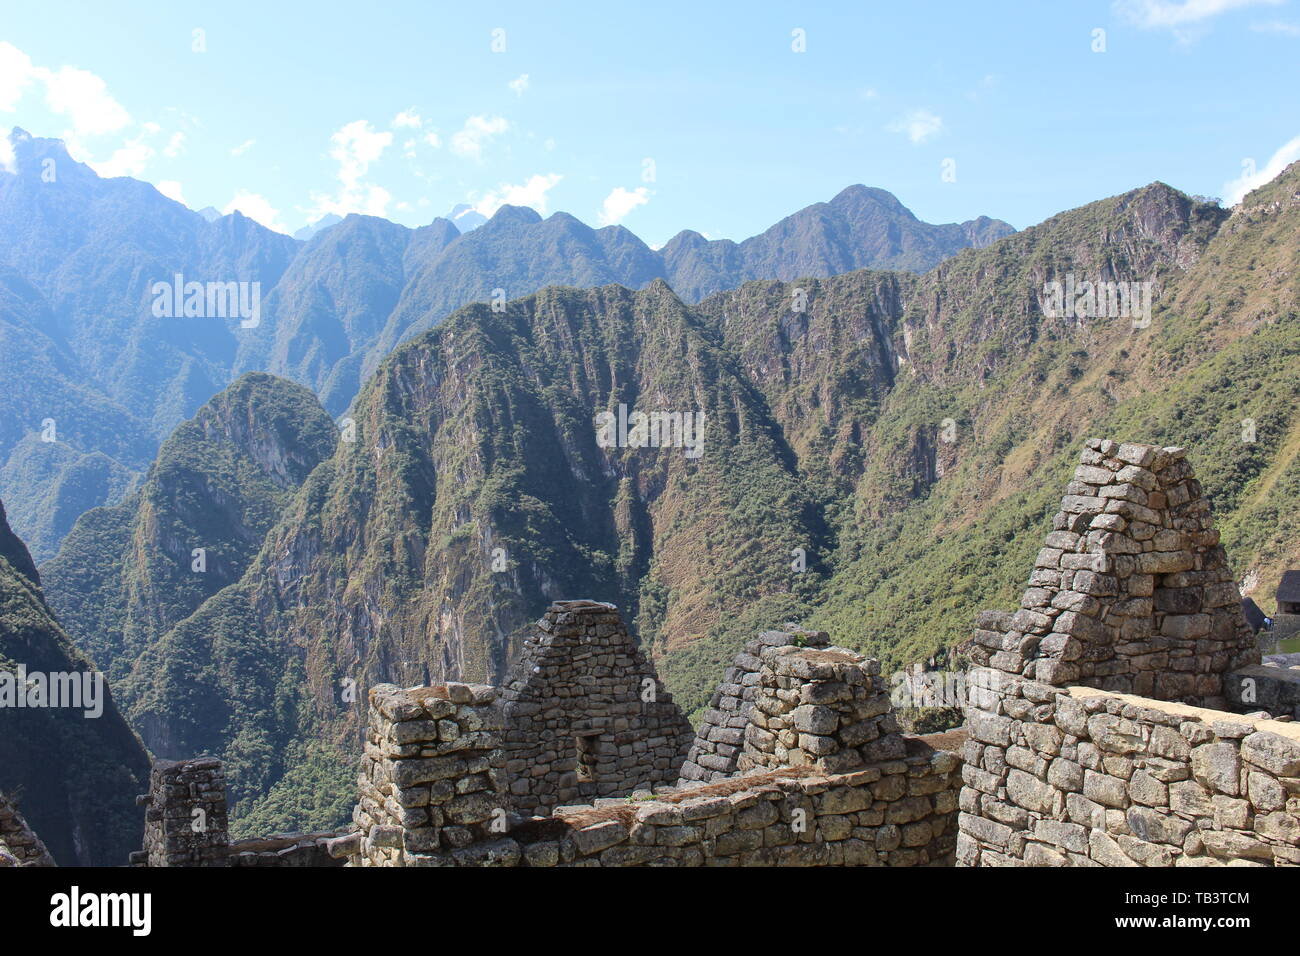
[1132, 591]
[186, 824]
[1066, 765]
[820, 707]
[185, 820]
[799, 760]
[715, 752]
[19, 846]
[473, 775]
[435, 789]
[586, 715]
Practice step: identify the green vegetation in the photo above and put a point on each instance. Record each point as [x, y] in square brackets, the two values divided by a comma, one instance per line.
[75, 778]
[882, 464]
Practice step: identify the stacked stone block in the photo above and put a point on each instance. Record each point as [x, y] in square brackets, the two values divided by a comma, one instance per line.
[1083, 777]
[1132, 591]
[286, 850]
[586, 715]
[1131, 596]
[820, 707]
[19, 845]
[430, 783]
[721, 736]
[896, 813]
[186, 822]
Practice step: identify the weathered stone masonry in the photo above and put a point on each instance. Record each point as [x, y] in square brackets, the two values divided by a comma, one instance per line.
[1132, 591]
[820, 707]
[186, 824]
[715, 752]
[431, 788]
[1132, 594]
[585, 713]
[1082, 777]
[185, 820]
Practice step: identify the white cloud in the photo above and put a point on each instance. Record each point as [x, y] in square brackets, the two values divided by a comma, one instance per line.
[519, 84]
[7, 163]
[532, 193]
[79, 95]
[919, 125]
[1155, 14]
[242, 148]
[408, 118]
[257, 208]
[620, 202]
[90, 110]
[16, 73]
[469, 140]
[172, 190]
[130, 159]
[1235, 189]
[84, 98]
[433, 140]
[355, 147]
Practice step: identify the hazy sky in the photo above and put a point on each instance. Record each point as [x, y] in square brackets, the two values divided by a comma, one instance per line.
[720, 117]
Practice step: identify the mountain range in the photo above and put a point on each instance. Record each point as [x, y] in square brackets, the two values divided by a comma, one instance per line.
[104, 379]
[881, 453]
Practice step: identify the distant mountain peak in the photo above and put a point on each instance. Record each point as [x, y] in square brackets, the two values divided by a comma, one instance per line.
[859, 193]
[523, 215]
[465, 217]
[314, 228]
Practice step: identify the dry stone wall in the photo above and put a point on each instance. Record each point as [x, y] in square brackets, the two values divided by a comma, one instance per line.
[1083, 777]
[185, 821]
[431, 784]
[585, 713]
[186, 824]
[1272, 686]
[715, 753]
[820, 707]
[286, 849]
[1133, 604]
[433, 791]
[19, 845]
[1132, 591]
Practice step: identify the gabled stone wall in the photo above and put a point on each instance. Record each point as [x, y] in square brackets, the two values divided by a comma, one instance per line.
[585, 713]
[1132, 595]
[1132, 591]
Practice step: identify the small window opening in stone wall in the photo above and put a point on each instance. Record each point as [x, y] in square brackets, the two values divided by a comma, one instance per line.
[584, 746]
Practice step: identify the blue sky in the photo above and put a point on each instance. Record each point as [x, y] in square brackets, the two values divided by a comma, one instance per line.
[659, 116]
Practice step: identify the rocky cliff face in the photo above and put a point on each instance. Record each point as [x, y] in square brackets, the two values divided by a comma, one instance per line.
[80, 257]
[73, 775]
[128, 573]
[478, 490]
